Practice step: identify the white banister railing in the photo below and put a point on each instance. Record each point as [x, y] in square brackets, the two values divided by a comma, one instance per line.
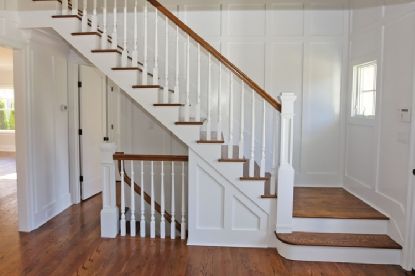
[114, 35]
[84, 23]
[286, 171]
[156, 173]
[156, 49]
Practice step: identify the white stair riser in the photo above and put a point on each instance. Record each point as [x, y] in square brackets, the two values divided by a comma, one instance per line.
[351, 226]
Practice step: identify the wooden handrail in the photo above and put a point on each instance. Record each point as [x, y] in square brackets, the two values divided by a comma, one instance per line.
[147, 197]
[232, 67]
[144, 157]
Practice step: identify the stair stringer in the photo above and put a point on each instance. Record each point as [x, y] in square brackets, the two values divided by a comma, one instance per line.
[220, 214]
[167, 116]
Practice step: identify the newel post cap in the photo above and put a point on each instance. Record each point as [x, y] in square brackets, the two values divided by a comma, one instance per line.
[287, 102]
[107, 152]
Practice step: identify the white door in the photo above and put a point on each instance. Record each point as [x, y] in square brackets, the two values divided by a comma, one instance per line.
[92, 120]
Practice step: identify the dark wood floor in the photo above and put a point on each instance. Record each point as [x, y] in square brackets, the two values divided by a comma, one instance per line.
[70, 244]
[331, 203]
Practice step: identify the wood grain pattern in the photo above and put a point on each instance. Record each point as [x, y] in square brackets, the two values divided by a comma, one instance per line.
[331, 203]
[148, 157]
[209, 48]
[339, 240]
[70, 244]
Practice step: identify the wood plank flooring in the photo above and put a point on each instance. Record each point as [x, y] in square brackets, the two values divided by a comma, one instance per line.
[70, 244]
[331, 203]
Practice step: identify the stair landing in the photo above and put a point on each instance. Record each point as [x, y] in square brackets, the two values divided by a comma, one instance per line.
[331, 203]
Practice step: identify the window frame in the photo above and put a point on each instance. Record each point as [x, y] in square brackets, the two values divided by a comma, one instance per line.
[9, 131]
[356, 91]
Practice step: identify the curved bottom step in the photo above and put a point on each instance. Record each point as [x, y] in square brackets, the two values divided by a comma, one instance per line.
[339, 247]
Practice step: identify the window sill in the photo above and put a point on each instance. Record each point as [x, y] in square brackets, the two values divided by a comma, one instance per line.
[2, 132]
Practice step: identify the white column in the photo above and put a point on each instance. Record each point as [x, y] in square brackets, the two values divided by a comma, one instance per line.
[74, 7]
[187, 105]
[109, 212]
[263, 144]
[134, 54]
[132, 200]
[162, 207]
[122, 221]
[124, 55]
[166, 65]
[145, 48]
[241, 133]
[208, 124]
[104, 35]
[219, 126]
[142, 203]
[286, 170]
[94, 18]
[65, 7]
[173, 218]
[197, 116]
[274, 168]
[183, 222]
[176, 96]
[156, 49]
[84, 23]
[252, 158]
[152, 219]
[230, 142]
[114, 35]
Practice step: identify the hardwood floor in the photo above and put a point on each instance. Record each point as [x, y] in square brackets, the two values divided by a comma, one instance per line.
[331, 203]
[70, 244]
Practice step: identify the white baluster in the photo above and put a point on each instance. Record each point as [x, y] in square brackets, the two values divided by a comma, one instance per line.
[65, 7]
[84, 22]
[145, 48]
[208, 124]
[122, 222]
[274, 168]
[114, 35]
[142, 218]
[230, 144]
[152, 219]
[104, 35]
[183, 222]
[132, 221]
[163, 208]
[219, 127]
[176, 96]
[94, 18]
[156, 50]
[197, 116]
[187, 105]
[166, 65]
[134, 54]
[262, 164]
[252, 159]
[173, 219]
[124, 55]
[241, 134]
[74, 7]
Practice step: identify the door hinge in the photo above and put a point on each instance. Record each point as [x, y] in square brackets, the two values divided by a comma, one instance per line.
[79, 131]
[112, 88]
[106, 139]
[79, 84]
[81, 178]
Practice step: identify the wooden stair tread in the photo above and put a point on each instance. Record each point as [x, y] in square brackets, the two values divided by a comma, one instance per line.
[230, 160]
[126, 69]
[106, 51]
[253, 178]
[147, 86]
[338, 240]
[168, 104]
[85, 33]
[66, 16]
[334, 203]
[191, 123]
[269, 196]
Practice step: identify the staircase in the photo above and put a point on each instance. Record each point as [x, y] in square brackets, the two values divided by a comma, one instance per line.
[239, 137]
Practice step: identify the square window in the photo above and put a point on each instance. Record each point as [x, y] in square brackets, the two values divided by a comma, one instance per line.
[364, 90]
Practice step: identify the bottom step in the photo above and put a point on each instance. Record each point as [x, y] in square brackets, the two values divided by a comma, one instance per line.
[339, 247]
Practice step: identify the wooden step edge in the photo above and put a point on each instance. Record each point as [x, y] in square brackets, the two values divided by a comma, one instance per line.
[237, 160]
[254, 178]
[106, 51]
[269, 196]
[66, 16]
[127, 69]
[210, 141]
[85, 33]
[190, 123]
[378, 241]
[141, 86]
[340, 217]
[169, 104]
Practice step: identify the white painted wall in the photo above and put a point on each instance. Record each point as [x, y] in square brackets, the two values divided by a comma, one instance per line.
[377, 151]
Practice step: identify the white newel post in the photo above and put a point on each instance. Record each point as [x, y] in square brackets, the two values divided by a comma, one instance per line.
[109, 212]
[286, 171]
